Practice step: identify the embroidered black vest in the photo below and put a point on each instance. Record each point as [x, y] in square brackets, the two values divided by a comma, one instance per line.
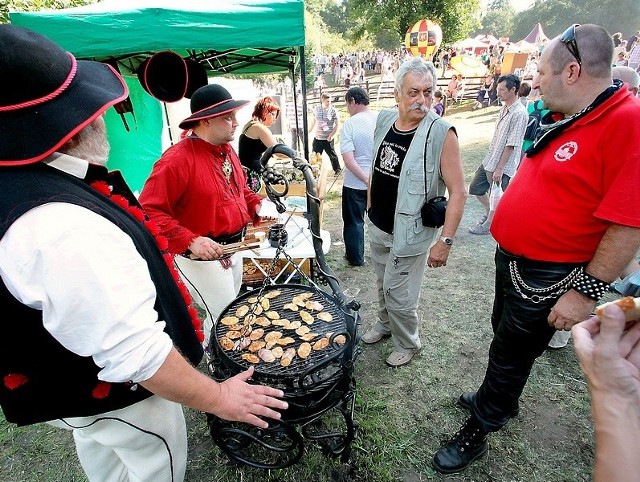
[41, 380]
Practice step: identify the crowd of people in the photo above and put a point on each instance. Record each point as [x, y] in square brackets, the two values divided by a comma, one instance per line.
[90, 271]
[355, 68]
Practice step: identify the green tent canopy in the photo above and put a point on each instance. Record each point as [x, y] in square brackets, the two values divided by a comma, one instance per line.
[224, 36]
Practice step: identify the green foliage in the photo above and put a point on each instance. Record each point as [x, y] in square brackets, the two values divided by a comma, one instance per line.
[499, 5]
[556, 15]
[394, 17]
[326, 31]
[498, 21]
[336, 18]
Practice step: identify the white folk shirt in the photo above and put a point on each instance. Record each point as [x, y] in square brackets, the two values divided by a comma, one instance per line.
[92, 286]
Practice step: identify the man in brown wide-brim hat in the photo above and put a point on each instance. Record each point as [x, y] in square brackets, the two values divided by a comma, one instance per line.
[98, 338]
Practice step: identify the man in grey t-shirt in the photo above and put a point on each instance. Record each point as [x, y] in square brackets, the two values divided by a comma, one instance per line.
[326, 123]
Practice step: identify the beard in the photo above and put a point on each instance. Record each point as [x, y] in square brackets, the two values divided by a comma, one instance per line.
[91, 144]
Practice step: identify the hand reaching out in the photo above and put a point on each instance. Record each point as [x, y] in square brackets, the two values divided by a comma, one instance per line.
[243, 402]
[610, 356]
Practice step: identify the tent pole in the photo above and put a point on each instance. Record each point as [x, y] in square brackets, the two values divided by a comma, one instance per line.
[296, 102]
[166, 116]
[303, 84]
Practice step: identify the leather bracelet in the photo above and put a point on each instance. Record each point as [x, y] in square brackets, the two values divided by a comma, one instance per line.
[590, 286]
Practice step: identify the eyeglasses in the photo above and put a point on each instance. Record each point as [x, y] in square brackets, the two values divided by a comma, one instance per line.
[569, 39]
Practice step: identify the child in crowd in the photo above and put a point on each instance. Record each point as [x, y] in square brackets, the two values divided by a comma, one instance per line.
[439, 103]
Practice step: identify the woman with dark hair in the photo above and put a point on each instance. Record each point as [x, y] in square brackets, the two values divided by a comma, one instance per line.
[256, 138]
[484, 92]
[617, 39]
[440, 102]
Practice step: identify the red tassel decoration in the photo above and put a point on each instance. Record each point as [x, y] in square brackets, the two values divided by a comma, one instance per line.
[15, 380]
[163, 243]
[101, 390]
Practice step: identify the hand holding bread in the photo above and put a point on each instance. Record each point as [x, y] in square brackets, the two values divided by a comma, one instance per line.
[630, 306]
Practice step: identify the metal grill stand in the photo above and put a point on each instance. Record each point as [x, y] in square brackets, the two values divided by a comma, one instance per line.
[320, 392]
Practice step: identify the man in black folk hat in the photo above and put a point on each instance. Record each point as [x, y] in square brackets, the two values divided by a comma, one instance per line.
[98, 338]
[197, 194]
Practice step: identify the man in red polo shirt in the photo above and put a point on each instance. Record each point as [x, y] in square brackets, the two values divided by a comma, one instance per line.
[566, 227]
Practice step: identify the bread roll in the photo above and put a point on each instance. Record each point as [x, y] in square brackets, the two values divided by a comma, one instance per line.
[629, 304]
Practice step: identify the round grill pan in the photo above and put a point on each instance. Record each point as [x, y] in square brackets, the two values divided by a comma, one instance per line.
[298, 366]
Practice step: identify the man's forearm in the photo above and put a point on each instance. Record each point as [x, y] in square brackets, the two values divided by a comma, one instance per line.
[617, 430]
[504, 157]
[455, 209]
[178, 381]
[618, 246]
[351, 164]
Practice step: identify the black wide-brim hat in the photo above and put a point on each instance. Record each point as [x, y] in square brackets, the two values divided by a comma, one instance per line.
[196, 77]
[212, 100]
[48, 95]
[168, 77]
[164, 76]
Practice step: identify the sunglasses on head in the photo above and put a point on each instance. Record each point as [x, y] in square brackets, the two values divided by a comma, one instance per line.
[569, 39]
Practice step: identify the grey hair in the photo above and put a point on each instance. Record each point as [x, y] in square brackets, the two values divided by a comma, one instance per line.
[418, 66]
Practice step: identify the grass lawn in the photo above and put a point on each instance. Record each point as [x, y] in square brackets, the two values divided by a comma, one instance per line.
[403, 414]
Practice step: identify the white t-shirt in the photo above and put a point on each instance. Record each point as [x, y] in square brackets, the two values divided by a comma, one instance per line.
[357, 137]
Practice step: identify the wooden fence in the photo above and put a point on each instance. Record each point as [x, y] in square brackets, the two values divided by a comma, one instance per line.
[384, 90]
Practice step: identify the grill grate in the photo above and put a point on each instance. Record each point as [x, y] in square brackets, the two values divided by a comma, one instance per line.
[298, 366]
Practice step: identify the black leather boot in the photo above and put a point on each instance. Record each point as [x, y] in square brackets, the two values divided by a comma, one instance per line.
[466, 401]
[469, 443]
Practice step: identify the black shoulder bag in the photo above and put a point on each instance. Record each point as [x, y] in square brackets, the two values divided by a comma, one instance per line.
[435, 209]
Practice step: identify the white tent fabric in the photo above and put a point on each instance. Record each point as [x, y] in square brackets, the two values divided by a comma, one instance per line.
[487, 39]
[522, 46]
[470, 44]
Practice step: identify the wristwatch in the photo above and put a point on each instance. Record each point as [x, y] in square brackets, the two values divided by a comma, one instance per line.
[446, 240]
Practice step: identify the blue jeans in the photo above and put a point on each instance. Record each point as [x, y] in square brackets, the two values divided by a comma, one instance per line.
[354, 203]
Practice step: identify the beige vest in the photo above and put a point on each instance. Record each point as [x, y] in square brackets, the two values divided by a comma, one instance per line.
[410, 237]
